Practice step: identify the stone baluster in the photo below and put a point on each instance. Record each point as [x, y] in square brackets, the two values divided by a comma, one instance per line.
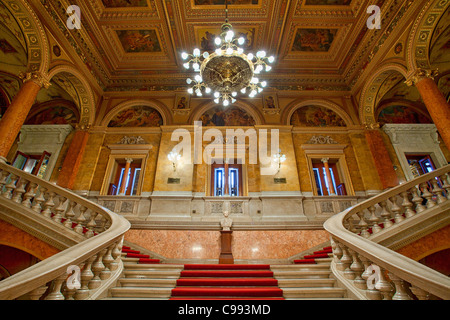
[374, 220]
[417, 199]
[384, 286]
[427, 195]
[445, 184]
[10, 186]
[85, 278]
[37, 293]
[59, 210]
[3, 179]
[116, 254]
[91, 225]
[386, 215]
[398, 217]
[48, 205]
[97, 267]
[107, 260]
[400, 288]
[70, 214]
[371, 293]
[363, 225]
[100, 226]
[345, 262]
[37, 206]
[55, 288]
[438, 191]
[337, 251]
[420, 293]
[20, 191]
[26, 202]
[80, 220]
[408, 205]
[357, 267]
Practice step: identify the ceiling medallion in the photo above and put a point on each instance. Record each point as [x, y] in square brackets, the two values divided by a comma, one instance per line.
[228, 70]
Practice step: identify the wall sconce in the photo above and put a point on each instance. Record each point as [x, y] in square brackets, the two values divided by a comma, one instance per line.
[279, 158]
[174, 157]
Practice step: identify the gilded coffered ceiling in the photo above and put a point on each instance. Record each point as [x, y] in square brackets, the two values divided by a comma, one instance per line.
[136, 44]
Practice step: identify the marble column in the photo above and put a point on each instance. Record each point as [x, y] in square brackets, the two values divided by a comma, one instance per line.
[434, 100]
[380, 155]
[125, 175]
[18, 110]
[329, 179]
[72, 161]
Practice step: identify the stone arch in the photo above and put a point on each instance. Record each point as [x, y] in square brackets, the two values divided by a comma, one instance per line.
[370, 91]
[34, 34]
[83, 97]
[297, 104]
[247, 107]
[133, 103]
[417, 55]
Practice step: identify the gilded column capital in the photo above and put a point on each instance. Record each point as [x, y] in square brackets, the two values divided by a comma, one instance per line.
[421, 74]
[37, 77]
[372, 125]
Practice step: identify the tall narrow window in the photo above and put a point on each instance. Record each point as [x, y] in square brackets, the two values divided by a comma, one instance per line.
[321, 179]
[128, 183]
[226, 180]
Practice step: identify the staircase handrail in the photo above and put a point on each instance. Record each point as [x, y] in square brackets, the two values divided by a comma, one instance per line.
[372, 268]
[97, 257]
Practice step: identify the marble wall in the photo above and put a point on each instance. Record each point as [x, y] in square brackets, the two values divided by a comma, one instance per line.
[189, 244]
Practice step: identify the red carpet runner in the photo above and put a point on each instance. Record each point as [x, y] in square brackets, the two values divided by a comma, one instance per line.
[227, 282]
[143, 258]
[311, 259]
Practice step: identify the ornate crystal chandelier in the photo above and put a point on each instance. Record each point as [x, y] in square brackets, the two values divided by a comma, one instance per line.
[228, 70]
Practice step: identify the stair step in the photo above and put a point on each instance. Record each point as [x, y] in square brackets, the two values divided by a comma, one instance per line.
[300, 267]
[157, 266]
[141, 292]
[227, 273]
[227, 292]
[303, 274]
[151, 274]
[147, 282]
[227, 282]
[306, 283]
[314, 292]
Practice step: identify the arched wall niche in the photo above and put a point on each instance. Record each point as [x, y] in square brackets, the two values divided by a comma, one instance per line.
[156, 105]
[298, 104]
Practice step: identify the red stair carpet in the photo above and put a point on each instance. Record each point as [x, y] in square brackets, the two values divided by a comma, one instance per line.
[143, 258]
[227, 282]
[311, 259]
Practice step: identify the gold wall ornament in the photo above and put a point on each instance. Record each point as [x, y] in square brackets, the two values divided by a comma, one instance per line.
[37, 77]
[421, 74]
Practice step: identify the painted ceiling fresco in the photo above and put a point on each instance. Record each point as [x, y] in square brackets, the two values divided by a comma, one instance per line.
[231, 116]
[313, 40]
[124, 3]
[137, 116]
[136, 41]
[316, 116]
[54, 115]
[401, 114]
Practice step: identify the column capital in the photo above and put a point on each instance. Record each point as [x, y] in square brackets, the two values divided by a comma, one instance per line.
[372, 125]
[37, 77]
[420, 74]
[129, 160]
[325, 160]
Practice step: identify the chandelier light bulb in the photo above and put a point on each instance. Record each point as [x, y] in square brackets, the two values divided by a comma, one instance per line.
[250, 56]
[240, 51]
[229, 51]
[216, 100]
[208, 90]
[218, 41]
[241, 41]
[255, 80]
[219, 52]
[216, 94]
[196, 52]
[234, 94]
[186, 65]
[196, 66]
[190, 91]
[233, 100]
[206, 54]
[188, 80]
[264, 84]
[226, 103]
[244, 90]
[268, 68]
[258, 69]
[184, 55]
[271, 59]
[198, 78]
